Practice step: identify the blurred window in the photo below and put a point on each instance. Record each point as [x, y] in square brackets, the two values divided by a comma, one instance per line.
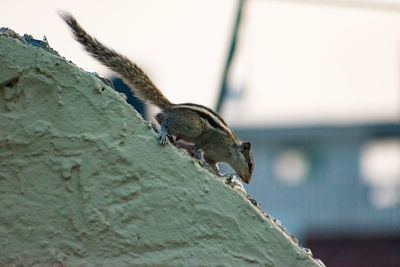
[380, 169]
[292, 167]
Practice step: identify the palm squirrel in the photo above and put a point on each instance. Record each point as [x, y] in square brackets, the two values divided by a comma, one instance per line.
[188, 122]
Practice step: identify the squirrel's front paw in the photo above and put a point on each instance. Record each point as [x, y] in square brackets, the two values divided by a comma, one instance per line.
[227, 178]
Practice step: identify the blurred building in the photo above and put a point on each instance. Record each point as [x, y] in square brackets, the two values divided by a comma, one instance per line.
[337, 189]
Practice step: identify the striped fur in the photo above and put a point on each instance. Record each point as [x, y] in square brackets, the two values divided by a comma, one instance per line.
[213, 118]
[134, 76]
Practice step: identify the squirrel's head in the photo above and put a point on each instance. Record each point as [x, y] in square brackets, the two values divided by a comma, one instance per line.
[242, 161]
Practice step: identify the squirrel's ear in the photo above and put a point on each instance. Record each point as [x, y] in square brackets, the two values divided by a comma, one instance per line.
[246, 145]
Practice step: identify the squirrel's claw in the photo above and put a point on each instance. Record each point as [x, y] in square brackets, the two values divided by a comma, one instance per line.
[196, 153]
[163, 135]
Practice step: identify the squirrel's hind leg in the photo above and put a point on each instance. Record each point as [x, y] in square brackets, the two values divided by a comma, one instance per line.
[163, 134]
[212, 163]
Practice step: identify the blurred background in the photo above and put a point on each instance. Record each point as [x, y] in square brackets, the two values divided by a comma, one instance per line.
[314, 85]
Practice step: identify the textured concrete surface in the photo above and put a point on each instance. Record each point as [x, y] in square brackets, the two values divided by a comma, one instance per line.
[83, 181]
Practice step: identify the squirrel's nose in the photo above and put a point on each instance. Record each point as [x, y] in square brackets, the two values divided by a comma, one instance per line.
[246, 179]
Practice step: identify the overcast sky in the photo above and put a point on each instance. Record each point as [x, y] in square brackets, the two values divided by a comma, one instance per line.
[297, 63]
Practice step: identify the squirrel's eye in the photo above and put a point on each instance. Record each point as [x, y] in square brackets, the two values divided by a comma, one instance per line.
[250, 164]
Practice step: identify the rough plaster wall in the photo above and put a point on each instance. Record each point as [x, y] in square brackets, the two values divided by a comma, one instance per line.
[83, 181]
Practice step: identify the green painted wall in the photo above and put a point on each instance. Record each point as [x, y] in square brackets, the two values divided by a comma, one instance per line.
[83, 181]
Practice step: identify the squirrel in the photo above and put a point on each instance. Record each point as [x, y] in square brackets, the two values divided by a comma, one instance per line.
[191, 123]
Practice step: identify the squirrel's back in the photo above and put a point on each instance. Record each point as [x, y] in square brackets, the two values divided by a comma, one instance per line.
[134, 76]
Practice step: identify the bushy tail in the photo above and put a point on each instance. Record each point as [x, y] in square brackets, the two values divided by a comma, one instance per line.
[134, 76]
